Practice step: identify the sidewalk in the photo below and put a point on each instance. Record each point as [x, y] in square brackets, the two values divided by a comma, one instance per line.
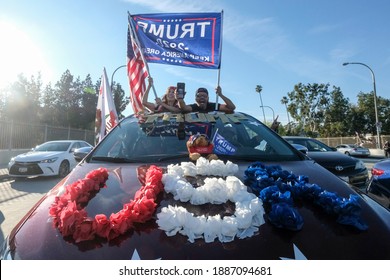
[377, 153]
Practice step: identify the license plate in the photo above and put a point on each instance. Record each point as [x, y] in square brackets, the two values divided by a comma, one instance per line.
[22, 169]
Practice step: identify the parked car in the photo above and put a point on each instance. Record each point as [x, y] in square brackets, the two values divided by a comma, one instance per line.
[379, 185]
[137, 195]
[53, 158]
[347, 168]
[353, 150]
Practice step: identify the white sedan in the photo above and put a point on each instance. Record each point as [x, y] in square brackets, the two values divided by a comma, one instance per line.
[353, 150]
[53, 158]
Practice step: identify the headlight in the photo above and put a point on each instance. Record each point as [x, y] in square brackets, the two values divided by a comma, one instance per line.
[360, 165]
[50, 160]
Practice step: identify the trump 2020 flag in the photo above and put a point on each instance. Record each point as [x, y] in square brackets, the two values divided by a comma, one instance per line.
[184, 39]
[223, 146]
[137, 72]
[106, 115]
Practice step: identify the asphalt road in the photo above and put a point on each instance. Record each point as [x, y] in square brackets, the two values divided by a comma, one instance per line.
[17, 197]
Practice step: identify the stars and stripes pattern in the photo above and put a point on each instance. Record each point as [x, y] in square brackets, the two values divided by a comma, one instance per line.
[137, 72]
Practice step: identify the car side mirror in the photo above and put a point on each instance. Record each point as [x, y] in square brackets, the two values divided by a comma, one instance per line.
[300, 148]
[81, 153]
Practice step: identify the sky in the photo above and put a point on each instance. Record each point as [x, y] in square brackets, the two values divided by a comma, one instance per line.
[275, 44]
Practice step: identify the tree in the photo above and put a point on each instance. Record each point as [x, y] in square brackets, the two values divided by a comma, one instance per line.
[87, 108]
[308, 104]
[356, 121]
[71, 102]
[366, 104]
[120, 100]
[383, 114]
[335, 115]
[48, 103]
[22, 102]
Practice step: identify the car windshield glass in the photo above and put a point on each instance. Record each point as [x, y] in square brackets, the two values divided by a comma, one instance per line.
[53, 147]
[312, 145]
[317, 146]
[159, 137]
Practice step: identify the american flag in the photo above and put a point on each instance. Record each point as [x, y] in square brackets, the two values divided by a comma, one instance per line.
[137, 72]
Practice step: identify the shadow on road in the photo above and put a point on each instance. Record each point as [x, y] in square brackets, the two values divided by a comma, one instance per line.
[35, 185]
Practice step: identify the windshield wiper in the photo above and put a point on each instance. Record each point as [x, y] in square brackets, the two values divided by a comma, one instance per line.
[243, 157]
[114, 159]
[173, 157]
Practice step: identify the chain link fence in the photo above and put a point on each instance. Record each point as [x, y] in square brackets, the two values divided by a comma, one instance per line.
[26, 136]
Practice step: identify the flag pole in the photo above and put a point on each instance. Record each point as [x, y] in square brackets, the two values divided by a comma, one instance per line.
[132, 30]
[220, 62]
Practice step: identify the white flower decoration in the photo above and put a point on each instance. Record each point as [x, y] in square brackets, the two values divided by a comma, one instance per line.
[245, 221]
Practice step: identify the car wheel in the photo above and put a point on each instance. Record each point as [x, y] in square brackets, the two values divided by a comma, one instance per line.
[64, 169]
[347, 153]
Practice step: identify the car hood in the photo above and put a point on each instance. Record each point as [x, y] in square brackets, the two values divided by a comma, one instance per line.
[320, 238]
[333, 158]
[36, 156]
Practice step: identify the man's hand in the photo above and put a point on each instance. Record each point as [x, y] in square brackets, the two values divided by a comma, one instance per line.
[218, 90]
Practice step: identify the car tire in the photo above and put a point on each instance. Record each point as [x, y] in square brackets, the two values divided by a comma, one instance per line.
[347, 153]
[64, 169]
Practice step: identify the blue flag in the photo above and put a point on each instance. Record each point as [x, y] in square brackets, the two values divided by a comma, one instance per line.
[184, 39]
[223, 146]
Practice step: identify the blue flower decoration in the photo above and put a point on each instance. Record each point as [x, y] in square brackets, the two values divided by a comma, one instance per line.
[283, 215]
[278, 189]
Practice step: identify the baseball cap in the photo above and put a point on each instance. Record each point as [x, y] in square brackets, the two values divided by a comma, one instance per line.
[202, 90]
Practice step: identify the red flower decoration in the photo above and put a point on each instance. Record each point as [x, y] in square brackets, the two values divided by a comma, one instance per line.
[71, 219]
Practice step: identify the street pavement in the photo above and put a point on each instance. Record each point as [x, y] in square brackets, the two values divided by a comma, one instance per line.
[17, 197]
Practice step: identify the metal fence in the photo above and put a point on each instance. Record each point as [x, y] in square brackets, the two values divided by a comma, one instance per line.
[26, 136]
[368, 142]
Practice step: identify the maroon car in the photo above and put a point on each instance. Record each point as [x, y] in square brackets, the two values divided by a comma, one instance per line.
[138, 195]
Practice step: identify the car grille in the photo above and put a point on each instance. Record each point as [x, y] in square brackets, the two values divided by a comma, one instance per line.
[345, 170]
[32, 169]
[355, 177]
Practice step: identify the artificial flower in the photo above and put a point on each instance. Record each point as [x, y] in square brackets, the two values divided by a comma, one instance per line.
[279, 188]
[71, 219]
[248, 215]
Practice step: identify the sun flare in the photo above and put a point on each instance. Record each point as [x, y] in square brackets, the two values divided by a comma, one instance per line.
[19, 54]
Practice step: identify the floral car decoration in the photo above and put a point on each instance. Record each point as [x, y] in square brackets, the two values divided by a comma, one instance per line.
[277, 189]
[71, 219]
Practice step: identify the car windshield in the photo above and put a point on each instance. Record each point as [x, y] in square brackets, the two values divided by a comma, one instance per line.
[312, 145]
[160, 137]
[53, 147]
